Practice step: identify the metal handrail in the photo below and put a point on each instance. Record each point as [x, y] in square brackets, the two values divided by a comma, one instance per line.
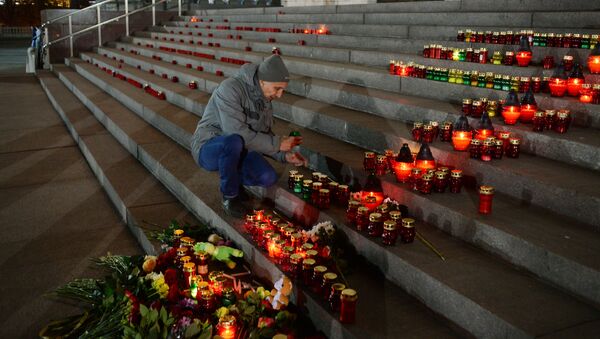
[117, 18]
[73, 13]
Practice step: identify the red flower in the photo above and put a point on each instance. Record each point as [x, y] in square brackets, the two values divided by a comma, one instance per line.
[265, 322]
[173, 295]
[267, 305]
[171, 277]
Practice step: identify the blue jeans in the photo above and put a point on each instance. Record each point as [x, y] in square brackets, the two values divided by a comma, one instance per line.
[236, 165]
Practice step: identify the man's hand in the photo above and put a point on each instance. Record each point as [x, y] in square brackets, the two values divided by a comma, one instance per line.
[287, 143]
[295, 159]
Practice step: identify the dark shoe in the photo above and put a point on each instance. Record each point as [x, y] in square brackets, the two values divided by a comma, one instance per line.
[234, 207]
[243, 195]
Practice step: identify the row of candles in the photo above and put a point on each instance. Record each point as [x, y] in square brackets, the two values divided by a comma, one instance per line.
[319, 190]
[568, 40]
[557, 85]
[300, 260]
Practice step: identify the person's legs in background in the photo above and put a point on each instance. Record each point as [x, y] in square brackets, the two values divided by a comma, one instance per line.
[256, 170]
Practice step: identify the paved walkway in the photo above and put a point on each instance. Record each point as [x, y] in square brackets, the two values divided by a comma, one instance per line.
[54, 215]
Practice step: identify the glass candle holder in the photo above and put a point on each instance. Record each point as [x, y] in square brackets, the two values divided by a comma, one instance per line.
[456, 180]
[207, 300]
[335, 296]
[475, 149]
[352, 211]
[498, 148]
[202, 263]
[348, 301]
[563, 120]
[226, 328]
[381, 165]
[440, 181]
[486, 193]
[550, 119]
[568, 62]
[369, 162]
[548, 62]
[308, 271]
[527, 112]
[428, 133]
[298, 183]
[511, 114]
[538, 121]
[408, 231]
[446, 134]
[324, 198]
[514, 148]
[375, 227]
[466, 106]
[362, 218]
[417, 131]
[593, 63]
[476, 109]
[343, 195]
[390, 234]
[329, 279]
[586, 94]
[536, 84]
[523, 58]
[487, 150]
[558, 87]
[461, 140]
[509, 58]
[189, 273]
[291, 178]
[316, 188]
[426, 186]
[307, 189]
[317, 279]
[295, 267]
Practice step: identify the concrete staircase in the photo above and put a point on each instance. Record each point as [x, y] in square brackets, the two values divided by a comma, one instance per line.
[529, 269]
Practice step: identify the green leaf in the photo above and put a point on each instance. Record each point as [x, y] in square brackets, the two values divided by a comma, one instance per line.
[249, 310]
[163, 315]
[144, 310]
[206, 333]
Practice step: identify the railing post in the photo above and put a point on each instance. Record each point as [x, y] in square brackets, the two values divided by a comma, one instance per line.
[179, 7]
[153, 12]
[71, 35]
[127, 17]
[99, 27]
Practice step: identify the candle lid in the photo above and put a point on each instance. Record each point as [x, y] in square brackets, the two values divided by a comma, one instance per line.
[447, 127]
[395, 215]
[383, 208]
[524, 45]
[363, 210]
[323, 191]
[486, 190]
[329, 276]
[417, 124]
[227, 320]
[475, 142]
[295, 258]
[462, 124]
[333, 184]
[440, 175]
[338, 287]
[320, 269]
[515, 141]
[389, 225]
[416, 171]
[317, 185]
[488, 142]
[381, 158]
[187, 241]
[563, 114]
[317, 174]
[181, 251]
[375, 217]
[178, 233]
[538, 114]
[499, 142]
[189, 267]
[307, 182]
[424, 153]
[456, 173]
[586, 86]
[427, 177]
[428, 127]
[311, 253]
[343, 187]
[298, 177]
[353, 204]
[408, 222]
[512, 99]
[550, 112]
[185, 259]
[368, 155]
[249, 218]
[296, 236]
[307, 246]
[288, 249]
[308, 262]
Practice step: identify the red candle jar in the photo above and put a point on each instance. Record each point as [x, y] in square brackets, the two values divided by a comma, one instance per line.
[550, 119]
[475, 149]
[574, 86]
[568, 62]
[384, 210]
[536, 84]
[499, 148]
[396, 216]
[369, 162]
[317, 279]
[487, 150]
[509, 58]
[476, 109]
[524, 84]
[207, 301]
[408, 231]
[226, 328]
[343, 194]
[328, 280]
[486, 193]
[440, 181]
[514, 148]
[249, 223]
[335, 296]
[426, 184]
[189, 272]
[348, 306]
[563, 119]
[461, 140]
[527, 112]
[446, 134]
[523, 58]
[466, 106]
[539, 121]
[511, 114]
[596, 94]
[295, 267]
[362, 218]
[545, 88]
[390, 235]
[455, 181]
[593, 63]
[375, 228]
[415, 178]
[324, 198]
[428, 134]
[291, 176]
[548, 62]
[307, 271]
[417, 131]
[381, 165]
[586, 93]
[193, 85]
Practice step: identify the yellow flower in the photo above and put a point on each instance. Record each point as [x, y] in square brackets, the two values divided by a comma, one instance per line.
[161, 286]
[149, 263]
[221, 312]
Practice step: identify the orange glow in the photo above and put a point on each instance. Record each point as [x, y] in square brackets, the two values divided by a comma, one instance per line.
[527, 112]
[523, 58]
[461, 140]
[594, 64]
[511, 114]
[573, 86]
[585, 98]
[425, 164]
[371, 199]
[483, 134]
[402, 171]
[558, 87]
[194, 19]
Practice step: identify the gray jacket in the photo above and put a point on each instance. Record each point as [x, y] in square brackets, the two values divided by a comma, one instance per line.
[238, 106]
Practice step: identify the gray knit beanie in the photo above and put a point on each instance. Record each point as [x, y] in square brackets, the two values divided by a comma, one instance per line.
[272, 69]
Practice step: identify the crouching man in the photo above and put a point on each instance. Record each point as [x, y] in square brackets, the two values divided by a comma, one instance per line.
[235, 132]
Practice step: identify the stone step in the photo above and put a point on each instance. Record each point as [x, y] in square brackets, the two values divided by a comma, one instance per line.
[194, 187]
[436, 32]
[365, 50]
[563, 19]
[583, 114]
[583, 144]
[524, 243]
[529, 179]
[430, 278]
[135, 193]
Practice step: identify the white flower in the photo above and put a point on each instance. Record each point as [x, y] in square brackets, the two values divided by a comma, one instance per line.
[154, 276]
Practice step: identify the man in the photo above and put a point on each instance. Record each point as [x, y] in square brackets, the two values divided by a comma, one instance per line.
[235, 132]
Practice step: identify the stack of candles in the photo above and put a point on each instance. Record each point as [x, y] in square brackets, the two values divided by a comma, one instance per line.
[301, 259]
[319, 190]
[567, 40]
[322, 30]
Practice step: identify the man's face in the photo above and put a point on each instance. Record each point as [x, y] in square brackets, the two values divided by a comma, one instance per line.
[272, 90]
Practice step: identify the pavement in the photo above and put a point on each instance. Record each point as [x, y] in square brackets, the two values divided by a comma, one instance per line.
[54, 215]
